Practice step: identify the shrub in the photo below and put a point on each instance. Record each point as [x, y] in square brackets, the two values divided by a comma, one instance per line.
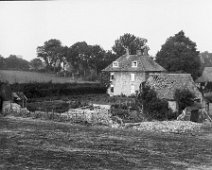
[184, 98]
[151, 105]
[122, 113]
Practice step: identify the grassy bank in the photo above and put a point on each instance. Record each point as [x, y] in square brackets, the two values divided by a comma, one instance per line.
[13, 76]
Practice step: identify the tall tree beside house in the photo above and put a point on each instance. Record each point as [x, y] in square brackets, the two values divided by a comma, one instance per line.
[51, 52]
[129, 41]
[86, 59]
[108, 58]
[179, 54]
[96, 58]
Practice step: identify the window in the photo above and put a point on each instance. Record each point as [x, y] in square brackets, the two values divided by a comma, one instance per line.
[132, 90]
[111, 88]
[111, 76]
[134, 64]
[132, 77]
[115, 64]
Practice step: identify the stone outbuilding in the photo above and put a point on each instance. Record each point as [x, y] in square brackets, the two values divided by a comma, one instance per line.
[129, 71]
[166, 84]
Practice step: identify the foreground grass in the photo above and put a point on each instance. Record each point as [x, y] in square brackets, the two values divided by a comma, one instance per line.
[35, 144]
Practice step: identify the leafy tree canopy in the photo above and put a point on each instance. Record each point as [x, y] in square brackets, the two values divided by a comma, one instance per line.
[83, 56]
[15, 62]
[184, 98]
[179, 54]
[36, 63]
[51, 52]
[128, 41]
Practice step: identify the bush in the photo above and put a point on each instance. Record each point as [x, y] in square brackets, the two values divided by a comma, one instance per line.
[184, 98]
[122, 113]
[152, 106]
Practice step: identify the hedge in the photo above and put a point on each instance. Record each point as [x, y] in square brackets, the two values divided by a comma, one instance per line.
[36, 90]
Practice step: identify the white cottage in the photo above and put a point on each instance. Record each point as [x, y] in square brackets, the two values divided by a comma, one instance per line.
[129, 71]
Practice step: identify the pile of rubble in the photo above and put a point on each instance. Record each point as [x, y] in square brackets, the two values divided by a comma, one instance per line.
[169, 126]
[92, 115]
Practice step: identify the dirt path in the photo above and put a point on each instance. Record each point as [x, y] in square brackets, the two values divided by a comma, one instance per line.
[32, 144]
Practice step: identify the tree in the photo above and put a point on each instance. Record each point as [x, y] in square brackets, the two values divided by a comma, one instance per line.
[184, 98]
[36, 63]
[128, 41]
[78, 55]
[105, 60]
[179, 54]
[86, 59]
[51, 52]
[15, 62]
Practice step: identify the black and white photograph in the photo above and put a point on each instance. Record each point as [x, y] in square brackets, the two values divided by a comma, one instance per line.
[106, 85]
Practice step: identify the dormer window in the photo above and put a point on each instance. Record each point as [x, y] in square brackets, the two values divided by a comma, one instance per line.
[115, 64]
[134, 64]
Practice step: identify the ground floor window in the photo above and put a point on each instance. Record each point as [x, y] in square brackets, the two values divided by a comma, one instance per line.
[132, 89]
[111, 76]
[132, 77]
[111, 88]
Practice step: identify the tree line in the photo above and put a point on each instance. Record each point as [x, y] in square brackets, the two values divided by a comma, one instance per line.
[13, 62]
[177, 54]
[82, 59]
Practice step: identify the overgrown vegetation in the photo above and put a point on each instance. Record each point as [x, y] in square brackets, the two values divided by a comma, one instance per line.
[152, 107]
[184, 98]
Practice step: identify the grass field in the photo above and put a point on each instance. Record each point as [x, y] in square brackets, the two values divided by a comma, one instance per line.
[12, 76]
[35, 144]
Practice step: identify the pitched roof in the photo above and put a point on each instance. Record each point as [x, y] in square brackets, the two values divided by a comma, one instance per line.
[145, 64]
[166, 84]
[206, 75]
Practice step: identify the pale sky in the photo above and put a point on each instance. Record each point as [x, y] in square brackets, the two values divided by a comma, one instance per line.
[24, 25]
